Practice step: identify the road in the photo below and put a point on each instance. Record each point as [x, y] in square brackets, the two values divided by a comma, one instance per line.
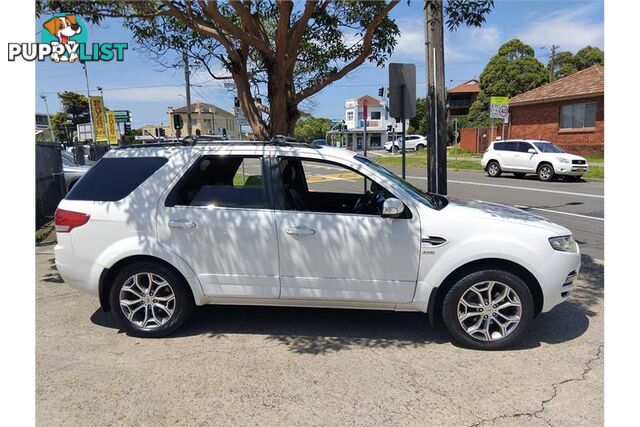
[261, 365]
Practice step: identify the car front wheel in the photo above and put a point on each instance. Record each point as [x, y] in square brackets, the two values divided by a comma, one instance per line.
[493, 169]
[419, 147]
[150, 300]
[488, 310]
[545, 172]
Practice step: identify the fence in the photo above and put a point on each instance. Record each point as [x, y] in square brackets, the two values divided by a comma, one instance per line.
[50, 185]
[478, 139]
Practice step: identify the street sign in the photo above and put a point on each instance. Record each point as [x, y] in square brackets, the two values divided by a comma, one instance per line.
[402, 91]
[240, 117]
[499, 107]
[123, 116]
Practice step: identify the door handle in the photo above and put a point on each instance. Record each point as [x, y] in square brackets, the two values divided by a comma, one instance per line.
[300, 231]
[181, 224]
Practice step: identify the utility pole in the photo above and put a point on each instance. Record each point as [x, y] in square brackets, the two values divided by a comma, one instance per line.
[46, 106]
[436, 96]
[86, 79]
[187, 86]
[551, 61]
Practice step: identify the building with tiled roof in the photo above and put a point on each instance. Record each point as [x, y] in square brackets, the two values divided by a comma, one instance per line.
[568, 112]
[460, 98]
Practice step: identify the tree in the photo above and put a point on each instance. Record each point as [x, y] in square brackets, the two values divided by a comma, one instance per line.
[58, 122]
[290, 50]
[309, 128]
[563, 65]
[75, 106]
[418, 124]
[587, 57]
[513, 70]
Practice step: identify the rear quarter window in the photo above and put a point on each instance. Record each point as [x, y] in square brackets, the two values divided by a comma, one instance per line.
[113, 179]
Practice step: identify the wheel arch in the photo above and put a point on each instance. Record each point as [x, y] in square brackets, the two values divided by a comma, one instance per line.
[108, 275]
[436, 299]
[544, 162]
[489, 162]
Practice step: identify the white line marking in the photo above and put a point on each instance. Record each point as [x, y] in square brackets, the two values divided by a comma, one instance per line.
[559, 212]
[514, 187]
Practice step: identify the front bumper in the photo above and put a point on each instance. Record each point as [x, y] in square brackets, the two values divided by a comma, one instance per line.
[571, 170]
[557, 276]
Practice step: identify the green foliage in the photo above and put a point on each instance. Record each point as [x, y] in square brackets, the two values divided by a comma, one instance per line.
[479, 111]
[75, 106]
[310, 128]
[418, 124]
[513, 70]
[587, 57]
[566, 63]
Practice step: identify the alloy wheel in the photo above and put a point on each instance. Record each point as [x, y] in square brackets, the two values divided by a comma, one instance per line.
[489, 311]
[147, 300]
[493, 169]
[545, 173]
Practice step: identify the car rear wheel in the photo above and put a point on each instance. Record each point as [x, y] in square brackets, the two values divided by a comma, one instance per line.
[545, 172]
[493, 169]
[488, 310]
[150, 300]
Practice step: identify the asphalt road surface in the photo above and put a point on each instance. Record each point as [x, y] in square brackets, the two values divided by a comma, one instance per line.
[260, 365]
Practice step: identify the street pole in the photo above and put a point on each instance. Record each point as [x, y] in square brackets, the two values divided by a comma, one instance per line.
[437, 126]
[187, 86]
[365, 114]
[86, 79]
[552, 60]
[46, 106]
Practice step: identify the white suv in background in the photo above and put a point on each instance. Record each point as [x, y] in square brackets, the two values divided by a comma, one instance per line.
[155, 230]
[523, 157]
[414, 142]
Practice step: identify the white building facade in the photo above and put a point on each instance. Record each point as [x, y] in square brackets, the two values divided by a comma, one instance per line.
[379, 126]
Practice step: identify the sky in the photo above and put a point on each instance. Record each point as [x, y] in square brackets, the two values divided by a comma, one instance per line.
[138, 84]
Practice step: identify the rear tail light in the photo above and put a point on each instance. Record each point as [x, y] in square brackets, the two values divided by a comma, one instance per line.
[68, 220]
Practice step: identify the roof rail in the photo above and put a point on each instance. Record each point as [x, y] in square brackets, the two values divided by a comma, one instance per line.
[278, 140]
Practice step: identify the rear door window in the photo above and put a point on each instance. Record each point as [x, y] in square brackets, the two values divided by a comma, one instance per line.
[222, 181]
[498, 146]
[511, 146]
[113, 179]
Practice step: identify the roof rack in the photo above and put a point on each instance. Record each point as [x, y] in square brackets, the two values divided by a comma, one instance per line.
[278, 140]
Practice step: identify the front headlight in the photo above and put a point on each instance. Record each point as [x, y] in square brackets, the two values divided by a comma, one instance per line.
[562, 160]
[563, 243]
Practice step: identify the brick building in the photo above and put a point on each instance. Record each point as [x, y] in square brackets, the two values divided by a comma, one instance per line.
[568, 112]
[460, 98]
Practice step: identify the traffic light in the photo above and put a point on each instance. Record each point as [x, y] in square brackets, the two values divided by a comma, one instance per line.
[162, 132]
[177, 122]
[127, 128]
[157, 132]
[236, 102]
[198, 132]
[381, 92]
[389, 128]
[224, 131]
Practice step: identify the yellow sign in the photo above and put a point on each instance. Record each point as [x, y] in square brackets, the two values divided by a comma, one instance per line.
[499, 108]
[98, 117]
[499, 100]
[112, 126]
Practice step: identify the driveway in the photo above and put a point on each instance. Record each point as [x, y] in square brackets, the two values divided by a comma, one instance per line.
[257, 365]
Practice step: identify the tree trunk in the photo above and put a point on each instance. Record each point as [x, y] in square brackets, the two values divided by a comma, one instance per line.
[283, 108]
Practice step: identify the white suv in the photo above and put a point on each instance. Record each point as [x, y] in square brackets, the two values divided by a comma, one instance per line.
[532, 156]
[414, 142]
[155, 230]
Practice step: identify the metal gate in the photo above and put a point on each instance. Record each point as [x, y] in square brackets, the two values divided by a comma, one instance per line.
[50, 186]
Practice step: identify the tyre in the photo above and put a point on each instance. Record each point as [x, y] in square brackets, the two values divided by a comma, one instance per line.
[488, 310]
[493, 169]
[150, 300]
[545, 172]
[419, 147]
[519, 174]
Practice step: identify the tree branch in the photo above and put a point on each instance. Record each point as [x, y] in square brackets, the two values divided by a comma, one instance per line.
[362, 56]
[210, 8]
[297, 30]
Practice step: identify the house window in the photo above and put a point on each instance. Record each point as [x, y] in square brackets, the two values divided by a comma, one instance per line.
[349, 116]
[375, 115]
[578, 116]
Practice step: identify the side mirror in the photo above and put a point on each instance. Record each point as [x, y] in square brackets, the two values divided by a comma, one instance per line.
[392, 208]
[532, 151]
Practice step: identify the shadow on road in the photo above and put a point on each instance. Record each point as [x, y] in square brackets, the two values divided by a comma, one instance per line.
[52, 276]
[324, 331]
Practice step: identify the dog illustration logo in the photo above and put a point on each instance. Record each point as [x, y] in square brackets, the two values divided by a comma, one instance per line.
[64, 30]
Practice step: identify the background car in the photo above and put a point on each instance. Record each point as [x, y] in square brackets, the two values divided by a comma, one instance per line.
[414, 142]
[72, 171]
[319, 142]
[522, 157]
